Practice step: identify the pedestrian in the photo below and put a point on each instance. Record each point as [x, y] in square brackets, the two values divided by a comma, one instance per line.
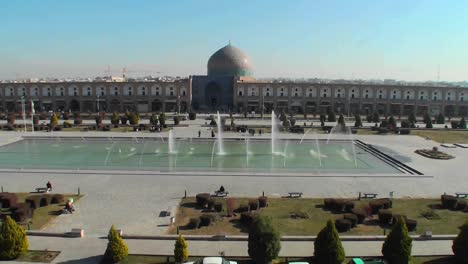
[199, 133]
[212, 133]
[49, 186]
[260, 132]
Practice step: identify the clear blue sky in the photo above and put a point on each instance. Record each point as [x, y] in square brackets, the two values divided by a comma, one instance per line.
[397, 39]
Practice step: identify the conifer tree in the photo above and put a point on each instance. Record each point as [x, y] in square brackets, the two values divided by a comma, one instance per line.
[180, 250]
[154, 119]
[397, 245]
[116, 250]
[412, 118]
[54, 120]
[358, 121]
[13, 240]
[462, 123]
[327, 246]
[115, 118]
[460, 245]
[264, 241]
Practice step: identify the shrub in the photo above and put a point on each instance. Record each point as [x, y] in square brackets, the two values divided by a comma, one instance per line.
[115, 118]
[327, 245]
[262, 201]
[331, 116]
[8, 200]
[34, 201]
[210, 203]
[397, 245]
[349, 206]
[430, 215]
[218, 207]
[405, 124]
[231, 205]
[411, 224]
[45, 200]
[328, 203]
[460, 244]
[247, 218]
[162, 119]
[360, 214]
[116, 250]
[13, 240]
[375, 117]
[133, 118]
[67, 124]
[78, 120]
[192, 115]
[180, 250]
[176, 120]
[461, 205]
[440, 119]
[194, 223]
[376, 205]
[253, 205]
[395, 218]
[352, 218]
[343, 225]
[264, 241]
[449, 201]
[385, 216]
[57, 198]
[412, 118]
[242, 208]
[11, 119]
[202, 199]
[358, 121]
[54, 120]
[207, 219]
[462, 123]
[21, 212]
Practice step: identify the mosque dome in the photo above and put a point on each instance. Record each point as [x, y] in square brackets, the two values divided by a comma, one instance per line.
[231, 61]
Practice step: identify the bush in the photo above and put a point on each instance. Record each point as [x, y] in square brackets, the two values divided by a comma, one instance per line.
[192, 116]
[460, 244]
[440, 119]
[411, 224]
[133, 118]
[115, 118]
[395, 218]
[449, 201]
[21, 212]
[262, 201]
[253, 205]
[34, 201]
[202, 199]
[45, 200]
[11, 119]
[378, 204]
[242, 208]
[343, 225]
[153, 119]
[180, 250]
[231, 205]
[176, 120]
[264, 241]
[462, 124]
[397, 245]
[8, 199]
[210, 203]
[385, 216]
[218, 207]
[13, 240]
[358, 121]
[247, 218]
[327, 246]
[67, 124]
[116, 250]
[207, 219]
[360, 214]
[194, 223]
[461, 205]
[57, 198]
[352, 218]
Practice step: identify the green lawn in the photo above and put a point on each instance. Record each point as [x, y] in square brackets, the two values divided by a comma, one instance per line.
[280, 210]
[443, 136]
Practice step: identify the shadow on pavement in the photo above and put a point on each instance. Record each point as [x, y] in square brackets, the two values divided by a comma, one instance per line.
[93, 259]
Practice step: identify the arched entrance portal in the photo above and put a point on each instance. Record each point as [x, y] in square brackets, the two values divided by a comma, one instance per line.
[213, 96]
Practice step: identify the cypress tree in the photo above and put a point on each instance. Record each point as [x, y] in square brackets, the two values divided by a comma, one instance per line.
[331, 115]
[392, 122]
[264, 241]
[54, 120]
[13, 240]
[180, 250]
[462, 123]
[376, 117]
[358, 121]
[154, 119]
[397, 245]
[115, 118]
[412, 118]
[327, 246]
[460, 245]
[116, 250]
[440, 119]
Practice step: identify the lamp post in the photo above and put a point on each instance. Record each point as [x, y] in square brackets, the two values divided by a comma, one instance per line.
[178, 105]
[23, 109]
[97, 103]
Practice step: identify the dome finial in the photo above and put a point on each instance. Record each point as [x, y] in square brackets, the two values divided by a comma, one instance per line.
[229, 43]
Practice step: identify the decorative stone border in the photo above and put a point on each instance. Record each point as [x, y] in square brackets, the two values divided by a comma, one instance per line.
[434, 154]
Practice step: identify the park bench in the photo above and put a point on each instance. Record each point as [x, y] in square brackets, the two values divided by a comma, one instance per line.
[42, 189]
[461, 195]
[221, 193]
[367, 195]
[295, 194]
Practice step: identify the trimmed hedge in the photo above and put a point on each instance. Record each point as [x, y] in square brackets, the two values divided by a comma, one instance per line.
[242, 208]
[210, 203]
[343, 225]
[360, 214]
[339, 205]
[57, 198]
[207, 219]
[247, 218]
[411, 224]
[461, 205]
[253, 205]
[202, 199]
[8, 199]
[379, 204]
[218, 207]
[262, 201]
[34, 201]
[193, 223]
[352, 218]
[45, 200]
[448, 201]
[385, 216]
[21, 212]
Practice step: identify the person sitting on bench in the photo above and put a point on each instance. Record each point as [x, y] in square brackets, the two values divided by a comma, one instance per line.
[69, 207]
[221, 189]
[49, 186]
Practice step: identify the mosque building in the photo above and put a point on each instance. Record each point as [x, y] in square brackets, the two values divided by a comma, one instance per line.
[230, 86]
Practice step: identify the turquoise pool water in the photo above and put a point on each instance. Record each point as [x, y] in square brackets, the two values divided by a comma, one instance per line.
[191, 155]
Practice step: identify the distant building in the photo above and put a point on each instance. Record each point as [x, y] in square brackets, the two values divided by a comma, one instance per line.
[230, 86]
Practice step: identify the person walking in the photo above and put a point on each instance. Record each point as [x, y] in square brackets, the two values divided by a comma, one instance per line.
[212, 133]
[199, 133]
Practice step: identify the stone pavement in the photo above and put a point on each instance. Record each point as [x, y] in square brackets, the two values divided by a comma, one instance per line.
[90, 249]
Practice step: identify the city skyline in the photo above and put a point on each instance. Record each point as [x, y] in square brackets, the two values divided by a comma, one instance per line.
[335, 40]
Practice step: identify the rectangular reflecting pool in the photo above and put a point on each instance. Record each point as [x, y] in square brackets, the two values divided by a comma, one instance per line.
[153, 154]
